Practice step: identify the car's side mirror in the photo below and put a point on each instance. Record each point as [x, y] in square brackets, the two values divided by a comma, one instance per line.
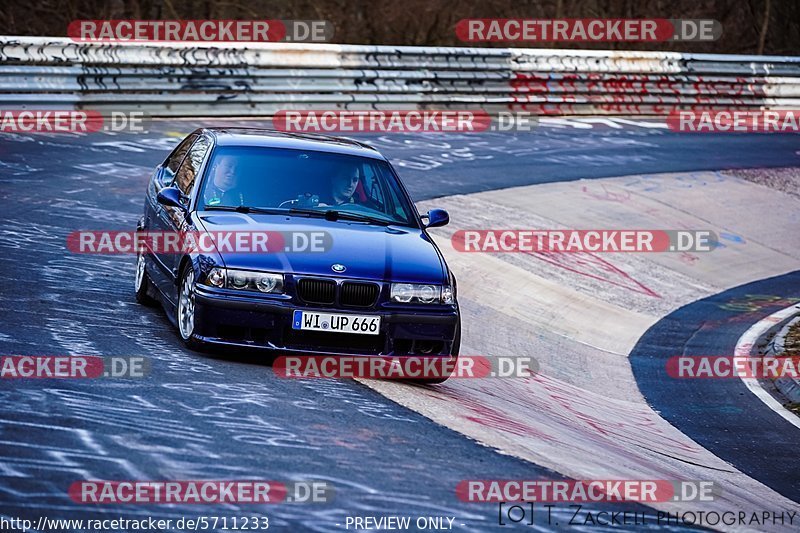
[171, 196]
[437, 217]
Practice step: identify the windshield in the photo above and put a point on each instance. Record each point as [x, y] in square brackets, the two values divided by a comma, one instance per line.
[274, 178]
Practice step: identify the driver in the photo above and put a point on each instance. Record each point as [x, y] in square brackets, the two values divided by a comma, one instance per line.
[343, 186]
[222, 189]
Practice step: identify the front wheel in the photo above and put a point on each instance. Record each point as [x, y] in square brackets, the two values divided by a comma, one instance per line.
[186, 309]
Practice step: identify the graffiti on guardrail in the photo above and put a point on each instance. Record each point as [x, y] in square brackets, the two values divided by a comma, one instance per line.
[174, 79]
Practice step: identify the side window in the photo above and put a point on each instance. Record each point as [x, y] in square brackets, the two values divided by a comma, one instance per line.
[175, 158]
[187, 172]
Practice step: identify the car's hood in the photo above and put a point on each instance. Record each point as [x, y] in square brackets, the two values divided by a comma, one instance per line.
[393, 253]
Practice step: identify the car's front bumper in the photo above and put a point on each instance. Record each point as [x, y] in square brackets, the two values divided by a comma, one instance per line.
[266, 322]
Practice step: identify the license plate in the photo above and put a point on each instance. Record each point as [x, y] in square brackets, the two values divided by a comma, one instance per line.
[336, 323]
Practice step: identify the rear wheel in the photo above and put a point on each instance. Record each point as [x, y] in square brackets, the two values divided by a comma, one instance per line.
[186, 309]
[142, 283]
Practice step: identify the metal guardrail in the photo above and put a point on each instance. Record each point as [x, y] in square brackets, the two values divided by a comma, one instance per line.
[247, 79]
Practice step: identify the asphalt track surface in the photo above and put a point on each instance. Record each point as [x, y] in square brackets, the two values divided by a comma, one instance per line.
[214, 416]
[722, 415]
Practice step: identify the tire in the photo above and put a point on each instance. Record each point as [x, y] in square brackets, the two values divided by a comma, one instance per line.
[142, 284]
[185, 312]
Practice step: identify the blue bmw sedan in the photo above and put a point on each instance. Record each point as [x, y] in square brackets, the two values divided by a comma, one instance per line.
[376, 285]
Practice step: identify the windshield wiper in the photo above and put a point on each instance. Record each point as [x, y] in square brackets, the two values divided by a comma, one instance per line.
[334, 215]
[311, 212]
[247, 209]
[328, 214]
[363, 218]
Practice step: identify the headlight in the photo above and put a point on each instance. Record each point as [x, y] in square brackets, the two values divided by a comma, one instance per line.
[245, 280]
[422, 293]
[448, 295]
[216, 278]
[402, 292]
[238, 279]
[269, 283]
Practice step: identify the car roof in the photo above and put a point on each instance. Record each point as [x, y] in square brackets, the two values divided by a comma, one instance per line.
[267, 138]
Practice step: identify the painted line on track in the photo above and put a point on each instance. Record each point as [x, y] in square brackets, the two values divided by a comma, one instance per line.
[744, 348]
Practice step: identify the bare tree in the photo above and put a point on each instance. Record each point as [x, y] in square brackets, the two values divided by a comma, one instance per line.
[764, 25]
[749, 26]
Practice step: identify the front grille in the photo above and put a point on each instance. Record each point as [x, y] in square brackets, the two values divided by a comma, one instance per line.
[358, 294]
[317, 291]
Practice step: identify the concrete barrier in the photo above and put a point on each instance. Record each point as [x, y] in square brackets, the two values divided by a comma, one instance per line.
[247, 79]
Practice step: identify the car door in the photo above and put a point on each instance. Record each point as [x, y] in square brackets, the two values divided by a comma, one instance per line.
[186, 178]
[158, 217]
